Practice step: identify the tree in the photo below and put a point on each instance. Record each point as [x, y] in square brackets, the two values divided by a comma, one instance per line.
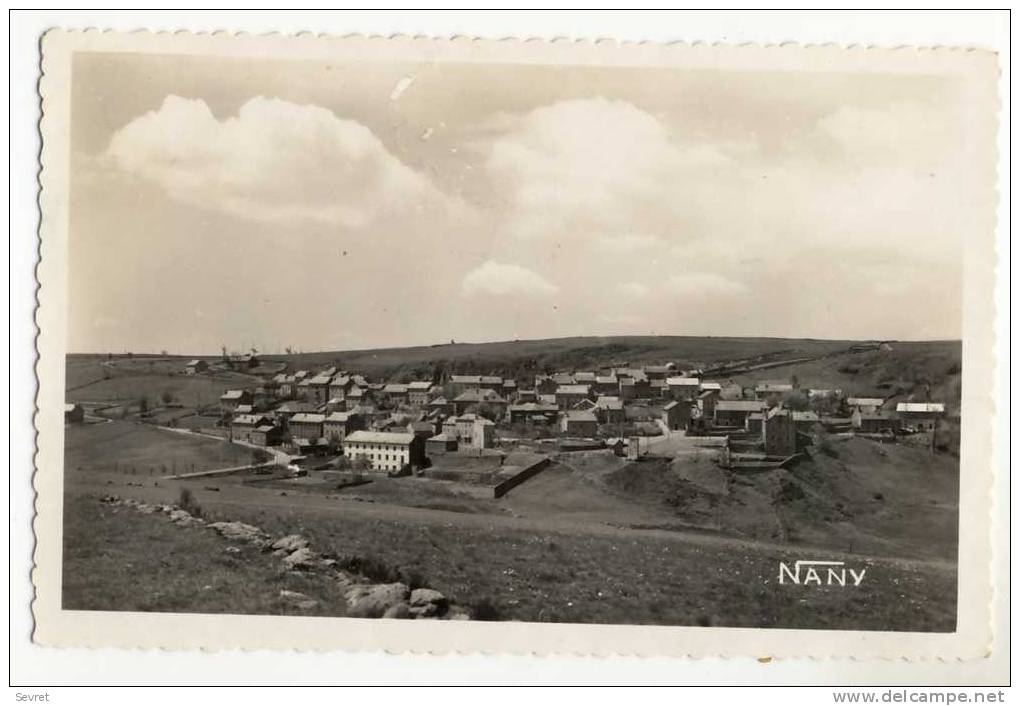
[795, 400]
[167, 397]
[143, 404]
[334, 442]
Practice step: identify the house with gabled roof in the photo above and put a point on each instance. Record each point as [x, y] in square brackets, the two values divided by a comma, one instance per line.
[920, 416]
[873, 422]
[230, 399]
[658, 372]
[306, 425]
[483, 398]
[418, 392]
[865, 404]
[734, 413]
[772, 392]
[609, 409]
[683, 388]
[532, 413]
[577, 422]
[242, 426]
[196, 366]
[676, 414]
[337, 425]
[569, 395]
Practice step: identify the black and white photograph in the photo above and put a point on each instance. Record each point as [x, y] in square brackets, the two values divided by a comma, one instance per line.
[421, 336]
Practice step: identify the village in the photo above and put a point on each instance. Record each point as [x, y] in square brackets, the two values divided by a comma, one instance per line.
[341, 422]
[499, 474]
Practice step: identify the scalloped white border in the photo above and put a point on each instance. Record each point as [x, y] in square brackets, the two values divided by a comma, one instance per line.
[159, 630]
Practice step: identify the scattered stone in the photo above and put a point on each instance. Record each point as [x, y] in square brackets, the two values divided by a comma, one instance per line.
[232, 550]
[302, 601]
[290, 543]
[427, 603]
[371, 601]
[458, 615]
[398, 611]
[345, 580]
[303, 558]
[146, 509]
[239, 531]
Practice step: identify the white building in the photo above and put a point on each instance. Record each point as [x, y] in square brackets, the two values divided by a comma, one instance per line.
[386, 451]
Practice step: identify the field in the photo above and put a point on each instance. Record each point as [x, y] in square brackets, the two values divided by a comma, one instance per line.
[579, 545]
[128, 447]
[92, 378]
[118, 559]
[509, 357]
[525, 569]
[594, 538]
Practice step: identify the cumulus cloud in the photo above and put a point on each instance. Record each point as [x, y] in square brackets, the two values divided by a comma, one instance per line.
[274, 161]
[905, 134]
[594, 167]
[501, 279]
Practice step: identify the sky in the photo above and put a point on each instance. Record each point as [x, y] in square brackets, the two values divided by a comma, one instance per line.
[272, 204]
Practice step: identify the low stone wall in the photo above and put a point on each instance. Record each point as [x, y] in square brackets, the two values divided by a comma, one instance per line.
[521, 476]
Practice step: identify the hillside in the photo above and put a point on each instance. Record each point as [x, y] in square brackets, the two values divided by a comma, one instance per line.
[852, 495]
[895, 370]
[529, 357]
[900, 370]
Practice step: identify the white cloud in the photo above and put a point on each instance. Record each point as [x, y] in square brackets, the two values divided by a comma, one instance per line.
[704, 284]
[273, 161]
[499, 279]
[594, 168]
[903, 134]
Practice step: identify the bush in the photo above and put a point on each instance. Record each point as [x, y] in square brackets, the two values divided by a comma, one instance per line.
[828, 448]
[369, 567]
[412, 578]
[188, 503]
[485, 609]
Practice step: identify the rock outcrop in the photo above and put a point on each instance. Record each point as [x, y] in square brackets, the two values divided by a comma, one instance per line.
[395, 601]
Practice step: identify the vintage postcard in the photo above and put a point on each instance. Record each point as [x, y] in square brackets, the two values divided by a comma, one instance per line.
[439, 345]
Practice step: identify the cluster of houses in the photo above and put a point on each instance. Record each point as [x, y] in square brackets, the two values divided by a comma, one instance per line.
[395, 425]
